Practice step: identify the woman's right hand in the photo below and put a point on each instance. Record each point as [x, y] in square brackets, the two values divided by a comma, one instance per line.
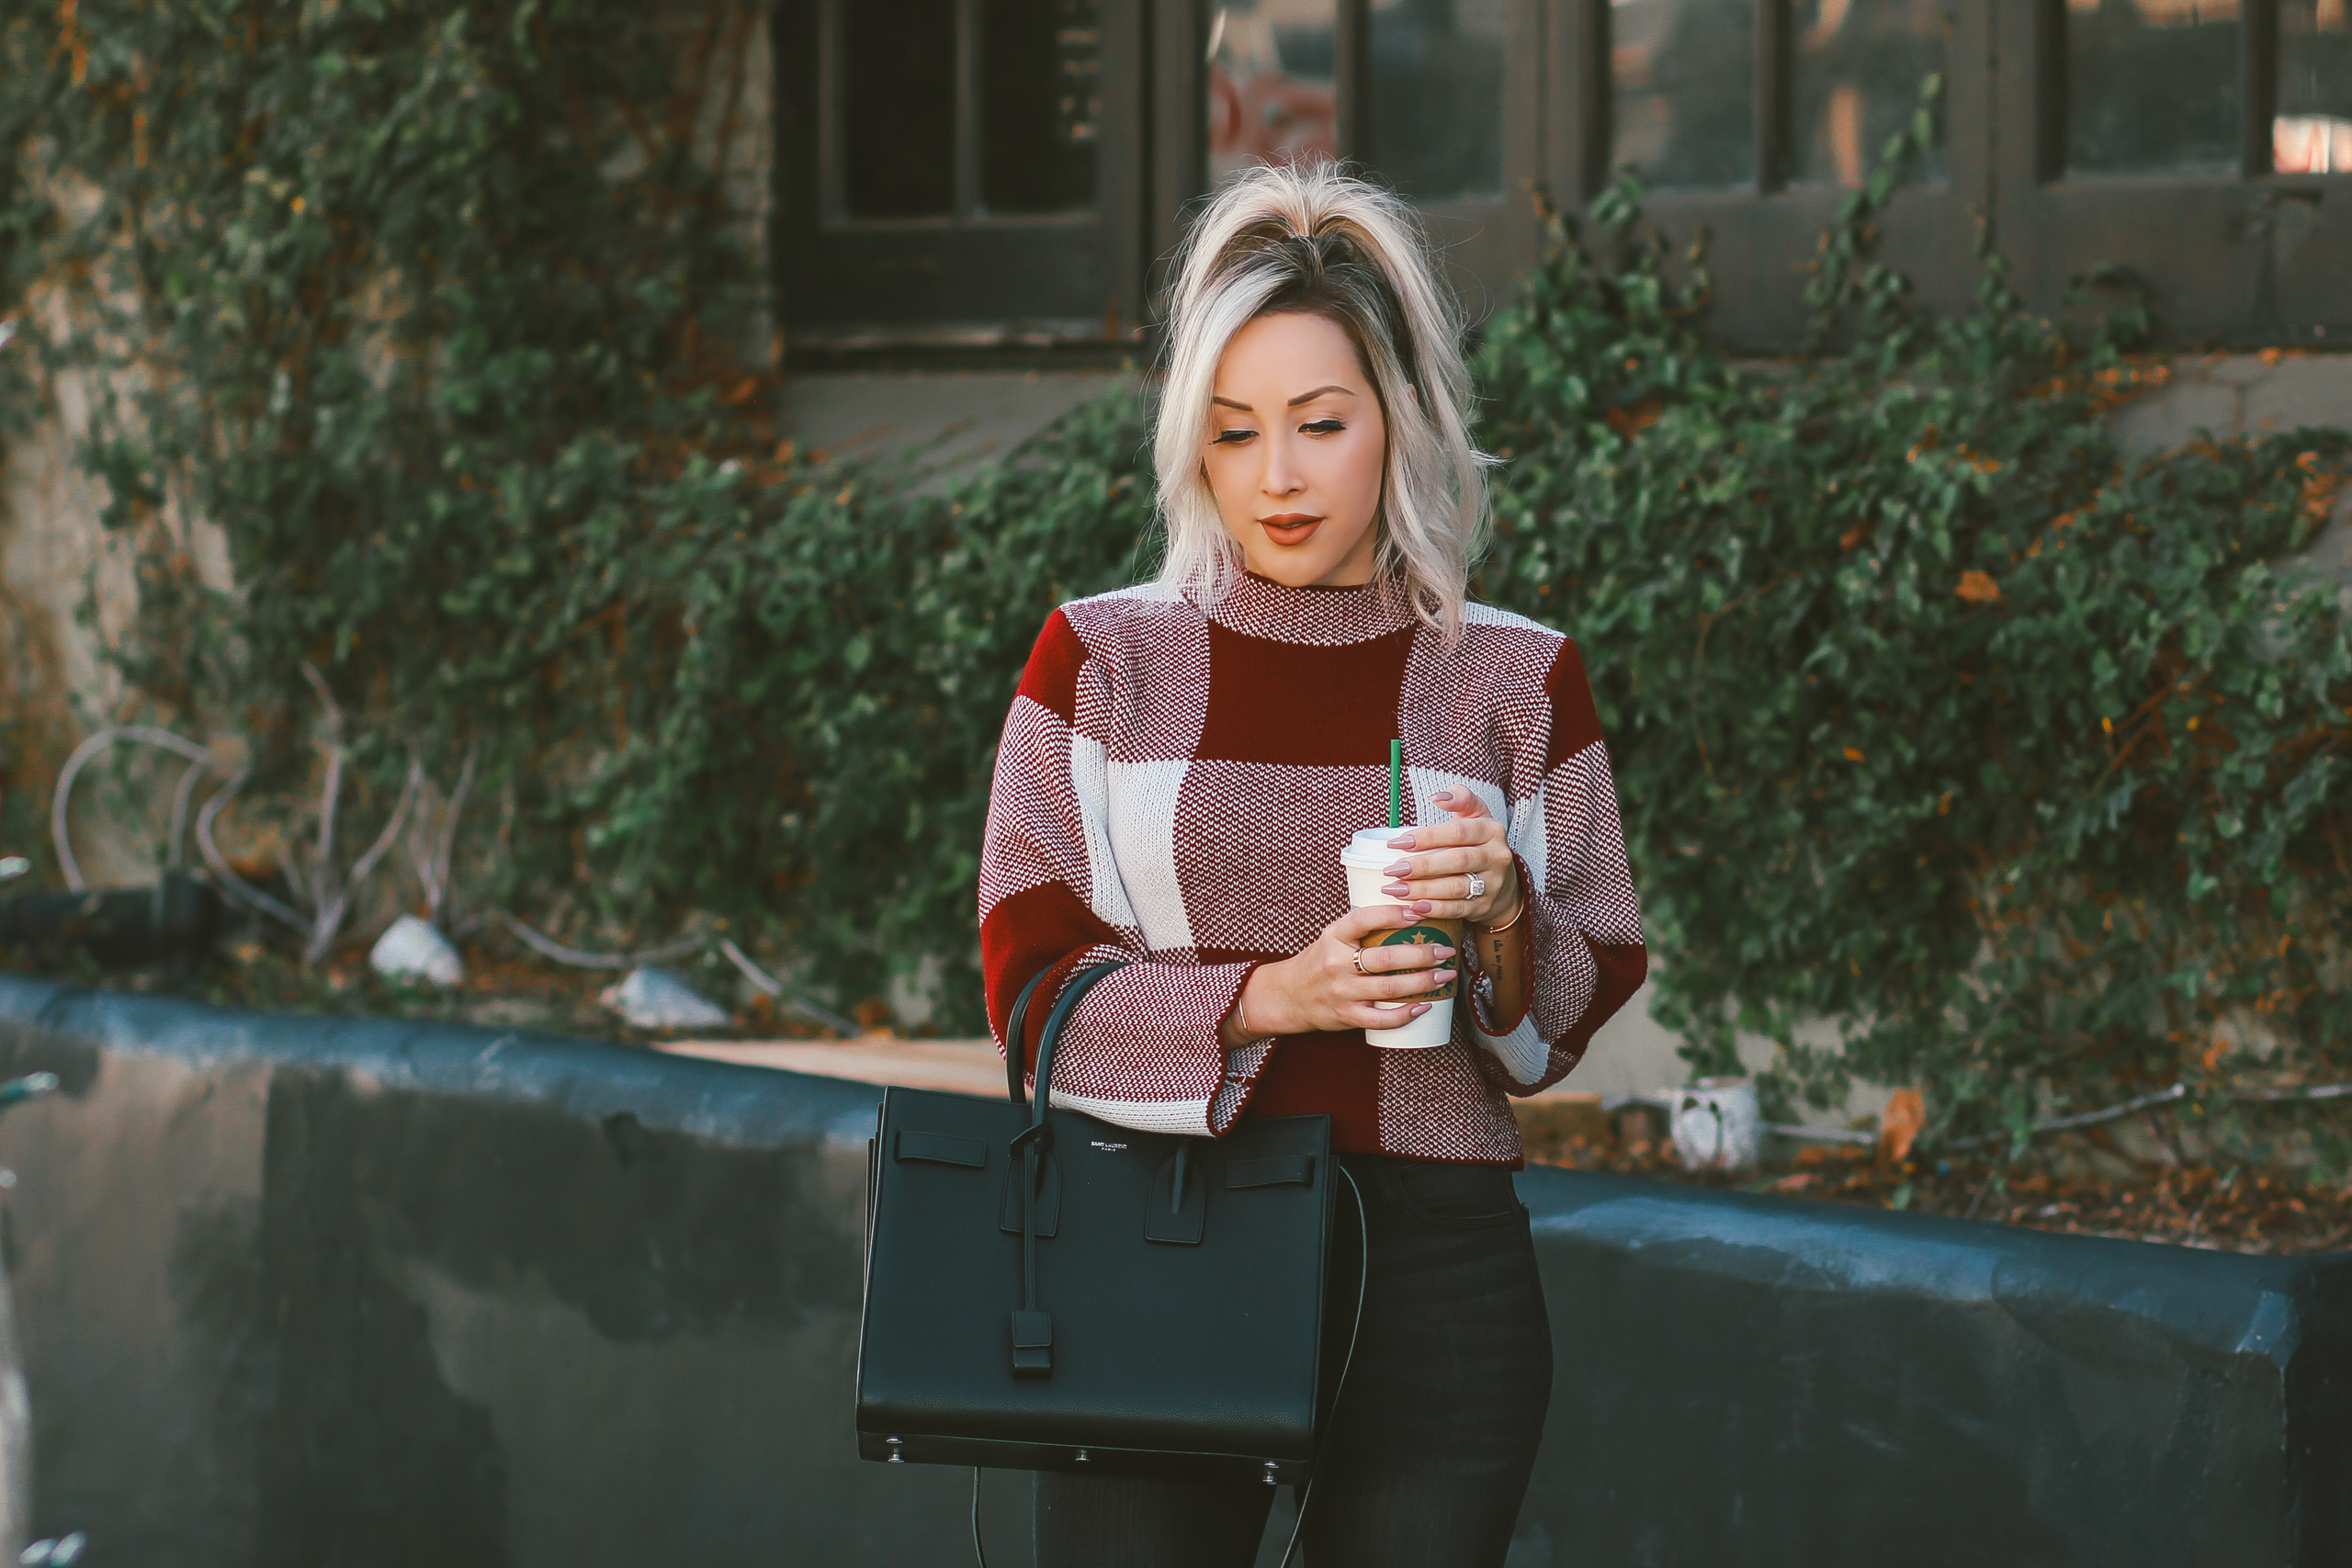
[1322, 989]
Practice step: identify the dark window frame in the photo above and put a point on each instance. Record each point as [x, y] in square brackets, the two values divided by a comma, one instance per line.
[972, 282]
[1762, 237]
[2237, 260]
[2240, 260]
[1487, 241]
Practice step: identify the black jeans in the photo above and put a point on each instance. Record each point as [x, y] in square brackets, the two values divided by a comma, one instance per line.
[1427, 1455]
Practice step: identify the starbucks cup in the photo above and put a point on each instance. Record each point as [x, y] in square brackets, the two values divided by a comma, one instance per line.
[1367, 859]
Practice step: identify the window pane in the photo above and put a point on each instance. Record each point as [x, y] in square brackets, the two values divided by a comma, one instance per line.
[898, 95]
[1272, 95]
[1041, 68]
[2313, 132]
[1435, 126]
[1859, 67]
[2152, 86]
[1683, 101]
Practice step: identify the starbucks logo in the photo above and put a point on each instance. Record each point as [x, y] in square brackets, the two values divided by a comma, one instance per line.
[1435, 936]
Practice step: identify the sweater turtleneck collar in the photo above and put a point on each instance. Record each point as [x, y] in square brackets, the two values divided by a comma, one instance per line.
[1261, 607]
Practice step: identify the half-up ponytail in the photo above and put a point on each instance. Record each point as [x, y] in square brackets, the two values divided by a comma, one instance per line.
[1308, 239]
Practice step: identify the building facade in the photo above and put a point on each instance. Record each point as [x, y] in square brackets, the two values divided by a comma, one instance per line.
[957, 177]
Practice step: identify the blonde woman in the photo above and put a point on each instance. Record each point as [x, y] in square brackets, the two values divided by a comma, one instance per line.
[1181, 769]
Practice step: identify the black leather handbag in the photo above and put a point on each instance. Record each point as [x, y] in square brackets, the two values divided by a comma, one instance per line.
[1044, 1291]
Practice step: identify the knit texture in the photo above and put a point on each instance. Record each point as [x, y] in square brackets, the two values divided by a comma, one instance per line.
[1173, 790]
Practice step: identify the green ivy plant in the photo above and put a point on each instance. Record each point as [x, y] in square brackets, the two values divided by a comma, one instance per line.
[424, 308]
[1930, 713]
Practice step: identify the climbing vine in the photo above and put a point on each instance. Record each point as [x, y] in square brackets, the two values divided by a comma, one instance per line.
[1932, 714]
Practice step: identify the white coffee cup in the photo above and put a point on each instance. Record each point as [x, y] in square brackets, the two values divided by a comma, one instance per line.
[1367, 859]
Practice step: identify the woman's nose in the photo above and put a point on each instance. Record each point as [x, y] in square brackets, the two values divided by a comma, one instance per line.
[1280, 477]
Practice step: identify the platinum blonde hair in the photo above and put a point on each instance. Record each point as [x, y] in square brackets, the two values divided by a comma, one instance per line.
[1308, 239]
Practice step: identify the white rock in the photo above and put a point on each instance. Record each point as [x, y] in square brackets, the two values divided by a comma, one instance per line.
[655, 998]
[411, 949]
[1717, 1124]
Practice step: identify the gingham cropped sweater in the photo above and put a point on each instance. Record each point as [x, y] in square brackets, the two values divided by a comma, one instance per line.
[1174, 788]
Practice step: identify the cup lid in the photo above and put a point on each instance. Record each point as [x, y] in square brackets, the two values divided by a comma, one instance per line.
[1371, 844]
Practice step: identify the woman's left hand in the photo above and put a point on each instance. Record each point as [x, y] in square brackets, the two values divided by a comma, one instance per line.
[1432, 875]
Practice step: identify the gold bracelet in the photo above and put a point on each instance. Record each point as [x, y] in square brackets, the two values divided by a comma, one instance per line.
[1497, 931]
[1241, 1022]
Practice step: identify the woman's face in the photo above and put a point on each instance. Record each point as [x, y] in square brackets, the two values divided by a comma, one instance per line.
[1297, 452]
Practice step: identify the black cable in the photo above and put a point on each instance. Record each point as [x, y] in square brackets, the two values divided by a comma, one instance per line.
[977, 1549]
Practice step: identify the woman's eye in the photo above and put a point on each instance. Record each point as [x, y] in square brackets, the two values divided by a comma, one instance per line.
[1232, 437]
[1324, 427]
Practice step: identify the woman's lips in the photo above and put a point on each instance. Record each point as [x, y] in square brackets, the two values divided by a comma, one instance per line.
[1290, 527]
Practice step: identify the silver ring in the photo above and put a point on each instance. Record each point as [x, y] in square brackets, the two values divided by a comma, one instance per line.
[1478, 886]
[1359, 964]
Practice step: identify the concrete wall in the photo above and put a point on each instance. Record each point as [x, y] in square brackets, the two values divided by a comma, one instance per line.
[2238, 394]
[955, 419]
[295, 1291]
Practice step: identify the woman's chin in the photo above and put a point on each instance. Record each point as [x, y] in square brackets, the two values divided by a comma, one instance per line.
[1304, 566]
[1291, 569]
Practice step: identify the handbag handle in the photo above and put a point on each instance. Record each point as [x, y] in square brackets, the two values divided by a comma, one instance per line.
[1032, 1325]
[1016, 1029]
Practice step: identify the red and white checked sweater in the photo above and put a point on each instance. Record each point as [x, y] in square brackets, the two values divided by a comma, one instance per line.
[1174, 788]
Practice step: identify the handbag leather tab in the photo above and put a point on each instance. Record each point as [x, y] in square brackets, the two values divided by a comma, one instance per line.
[1278, 1171]
[940, 1148]
[1174, 1214]
[1048, 1200]
[1032, 1344]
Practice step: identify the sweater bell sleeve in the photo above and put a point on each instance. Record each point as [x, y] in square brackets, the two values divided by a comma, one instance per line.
[1582, 934]
[1142, 1050]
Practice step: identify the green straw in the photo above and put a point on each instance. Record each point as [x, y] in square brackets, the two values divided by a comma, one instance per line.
[1397, 784]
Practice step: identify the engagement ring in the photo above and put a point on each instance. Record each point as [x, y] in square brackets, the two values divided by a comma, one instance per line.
[1477, 887]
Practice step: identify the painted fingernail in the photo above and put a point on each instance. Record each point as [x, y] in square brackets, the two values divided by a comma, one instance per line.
[1420, 1007]
[1398, 890]
[1402, 868]
[1422, 906]
[1404, 843]
[1440, 977]
[1441, 954]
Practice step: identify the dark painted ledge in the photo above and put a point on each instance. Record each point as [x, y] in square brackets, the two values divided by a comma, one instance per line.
[1854, 1384]
[302, 1290]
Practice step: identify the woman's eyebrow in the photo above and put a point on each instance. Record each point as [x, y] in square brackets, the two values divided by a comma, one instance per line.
[1310, 397]
[1228, 402]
